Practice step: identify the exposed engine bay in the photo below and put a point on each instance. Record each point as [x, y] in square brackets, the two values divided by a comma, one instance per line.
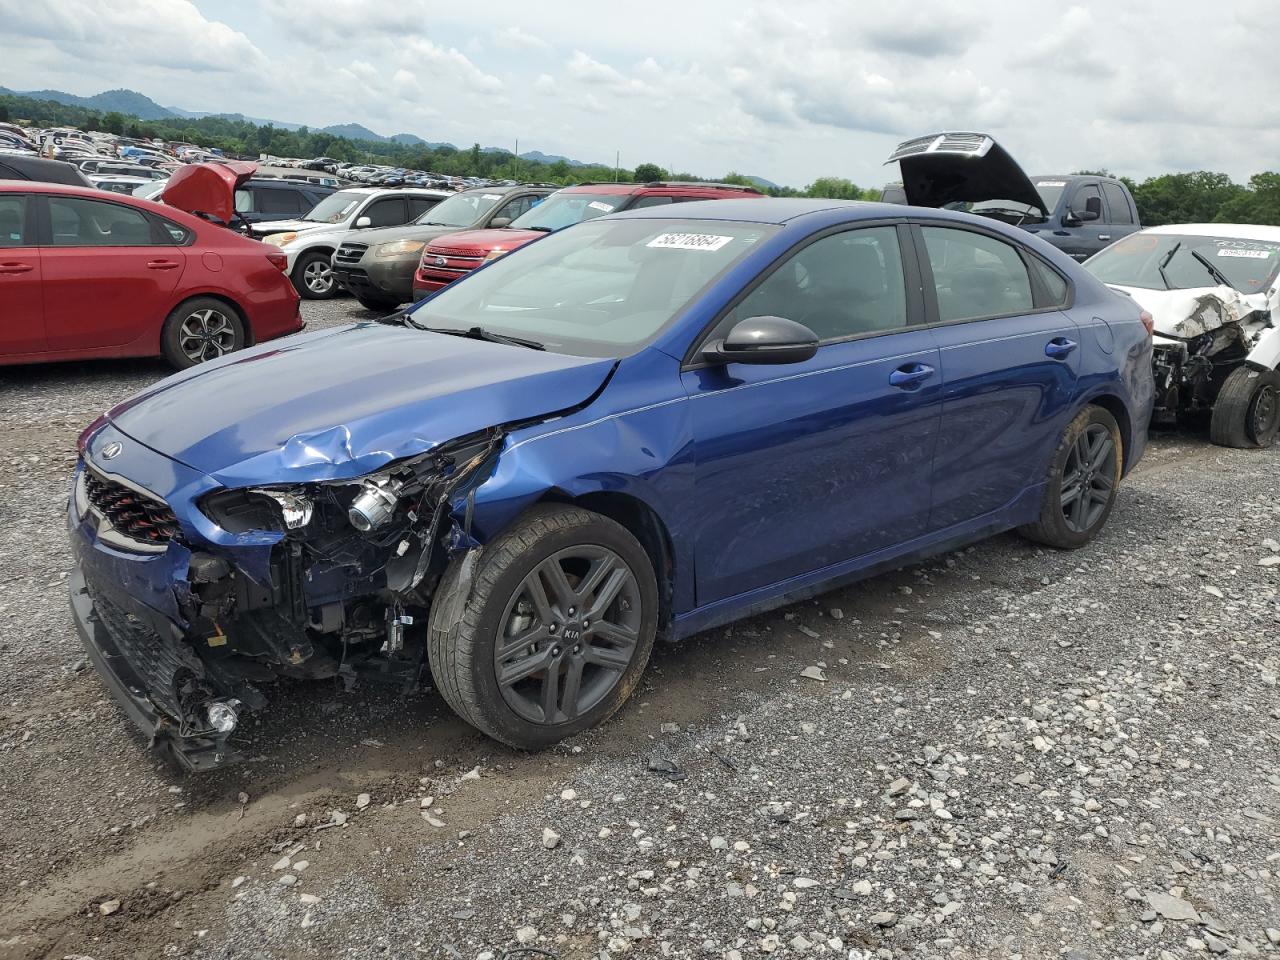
[347, 589]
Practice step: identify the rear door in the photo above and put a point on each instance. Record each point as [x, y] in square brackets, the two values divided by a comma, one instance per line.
[21, 298]
[1010, 359]
[1119, 214]
[110, 272]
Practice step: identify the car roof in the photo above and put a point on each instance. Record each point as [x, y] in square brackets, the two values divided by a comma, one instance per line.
[421, 191]
[1234, 231]
[777, 210]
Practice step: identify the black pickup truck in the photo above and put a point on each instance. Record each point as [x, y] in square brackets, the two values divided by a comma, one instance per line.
[1079, 214]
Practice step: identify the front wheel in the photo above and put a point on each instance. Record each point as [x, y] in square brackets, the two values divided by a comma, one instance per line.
[200, 329]
[553, 632]
[313, 276]
[379, 304]
[1247, 410]
[1084, 480]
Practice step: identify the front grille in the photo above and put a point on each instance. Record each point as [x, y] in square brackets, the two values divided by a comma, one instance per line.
[353, 279]
[463, 252]
[130, 513]
[350, 253]
[156, 663]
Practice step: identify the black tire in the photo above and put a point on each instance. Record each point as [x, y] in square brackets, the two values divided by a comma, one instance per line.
[201, 329]
[313, 276]
[377, 304]
[1082, 486]
[1247, 410]
[464, 631]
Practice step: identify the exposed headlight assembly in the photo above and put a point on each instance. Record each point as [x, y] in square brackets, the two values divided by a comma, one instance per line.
[375, 504]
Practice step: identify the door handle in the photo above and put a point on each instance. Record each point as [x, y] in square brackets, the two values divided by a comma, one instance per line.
[15, 267]
[161, 265]
[1059, 347]
[909, 376]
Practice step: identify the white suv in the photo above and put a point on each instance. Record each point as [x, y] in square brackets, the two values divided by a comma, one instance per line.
[309, 242]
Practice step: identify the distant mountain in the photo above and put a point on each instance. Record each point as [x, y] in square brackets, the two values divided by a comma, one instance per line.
[762, 183]
[122, 101]
[538, 157]
[408, 139]
[353, 131]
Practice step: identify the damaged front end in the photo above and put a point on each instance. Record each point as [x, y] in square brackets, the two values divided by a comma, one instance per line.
[1199, 340]
[329, 579]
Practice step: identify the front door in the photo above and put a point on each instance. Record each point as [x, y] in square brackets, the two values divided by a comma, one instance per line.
[801, 466]
[109, 273]
[1009, 361]
[1081, 240]
[21, 294]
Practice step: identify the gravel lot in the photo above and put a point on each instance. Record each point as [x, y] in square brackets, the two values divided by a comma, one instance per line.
[1014, 753]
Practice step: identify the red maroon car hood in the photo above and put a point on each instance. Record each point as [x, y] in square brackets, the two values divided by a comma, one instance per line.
[208, 188]
[486, 240]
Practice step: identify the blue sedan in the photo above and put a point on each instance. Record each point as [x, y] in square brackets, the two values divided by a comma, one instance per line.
[650, 423]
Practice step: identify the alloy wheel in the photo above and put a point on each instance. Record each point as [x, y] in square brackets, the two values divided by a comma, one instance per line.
[1088, 478]
[568, 634]
[318, 277]
[206, 335]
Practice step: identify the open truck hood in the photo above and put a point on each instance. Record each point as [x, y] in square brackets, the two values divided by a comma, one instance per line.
[208, 189]
[343, 402]
[945, 168]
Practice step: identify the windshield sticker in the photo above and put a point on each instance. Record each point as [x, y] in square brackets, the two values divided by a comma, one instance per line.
[600, 205]
[1249, 254]
[1051, 183]
[492, 196]
[688, 241]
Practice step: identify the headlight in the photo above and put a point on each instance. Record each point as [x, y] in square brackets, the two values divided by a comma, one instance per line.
[495, 254]
[280, 239]
[245, 511]
[398, 248]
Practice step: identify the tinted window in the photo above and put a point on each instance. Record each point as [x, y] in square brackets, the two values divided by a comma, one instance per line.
[8, 173]
[1086, 193]
[420, 205]
[91, 223]
[1055, 286]
[13, 221]
[1117, 203]
[976, 275]
[271, 200]
[389, 212]
[651, 202]
[514, 208]
[839, 286]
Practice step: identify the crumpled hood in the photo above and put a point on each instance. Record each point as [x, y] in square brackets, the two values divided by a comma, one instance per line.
[1183, 314]
[342, 402]
[503, 238]
[945, 168]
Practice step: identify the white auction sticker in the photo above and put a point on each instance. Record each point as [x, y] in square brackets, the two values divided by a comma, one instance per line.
[598, 205]
[492, 196]
[1250, 254]
[1051, 183]
[688, 241]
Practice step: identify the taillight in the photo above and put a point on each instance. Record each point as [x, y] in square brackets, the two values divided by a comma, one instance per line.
[278, 259]
[1148, 322]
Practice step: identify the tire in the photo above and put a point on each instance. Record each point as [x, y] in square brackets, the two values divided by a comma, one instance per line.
[465, 630]
[201, 329]
[1247, 411]
[1084, 479]
[374, 303]
[313, 276]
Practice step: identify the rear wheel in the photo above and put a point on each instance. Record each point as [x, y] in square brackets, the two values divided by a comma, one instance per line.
[313, 276]
[1084, 479]
[377, 303]
[554, 631]
[1247, 411]
[201, 329]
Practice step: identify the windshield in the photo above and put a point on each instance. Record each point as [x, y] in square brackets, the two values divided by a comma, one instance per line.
[600, 289]
[1050, 192]
[1168, 261]
[461, 210]
[565, 209]
[335, 208]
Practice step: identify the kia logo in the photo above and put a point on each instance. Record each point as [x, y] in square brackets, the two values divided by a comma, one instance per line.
[112, 450]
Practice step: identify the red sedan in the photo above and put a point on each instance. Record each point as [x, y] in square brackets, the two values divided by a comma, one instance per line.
[88, 274]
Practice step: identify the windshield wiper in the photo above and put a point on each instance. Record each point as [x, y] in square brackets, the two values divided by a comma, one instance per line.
[1213, 271]
[480, 333]
[1165, 262]
[539, 229]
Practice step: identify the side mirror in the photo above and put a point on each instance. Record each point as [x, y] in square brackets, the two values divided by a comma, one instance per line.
[499, 222]
[362, 222]
[764, 340]
[1092, 211]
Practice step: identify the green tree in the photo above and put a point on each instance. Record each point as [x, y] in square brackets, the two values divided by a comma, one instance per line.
[1260, 203]
[838, 188]
[648, 172]
[559, 171]
[4, 113]
[114, 122]
[1185, 197]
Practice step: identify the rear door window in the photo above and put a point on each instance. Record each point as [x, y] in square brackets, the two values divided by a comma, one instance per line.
[420, 205]
[76, 222]
[387, 212]
[283, 201]
[976, 276]
[1117, 203]
[13, 221]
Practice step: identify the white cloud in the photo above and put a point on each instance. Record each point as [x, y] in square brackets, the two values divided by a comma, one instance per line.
[514, 38]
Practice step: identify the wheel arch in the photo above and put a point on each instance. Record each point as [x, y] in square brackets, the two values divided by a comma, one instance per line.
[642, 522]
[1116, 407]
[221, 297]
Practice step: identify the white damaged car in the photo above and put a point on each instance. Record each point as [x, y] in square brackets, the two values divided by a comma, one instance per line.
[1213, 293]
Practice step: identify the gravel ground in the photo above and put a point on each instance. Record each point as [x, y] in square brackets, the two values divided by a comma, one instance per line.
[1014, 753]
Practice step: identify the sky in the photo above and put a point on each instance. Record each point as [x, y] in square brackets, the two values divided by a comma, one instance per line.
[789, 90]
